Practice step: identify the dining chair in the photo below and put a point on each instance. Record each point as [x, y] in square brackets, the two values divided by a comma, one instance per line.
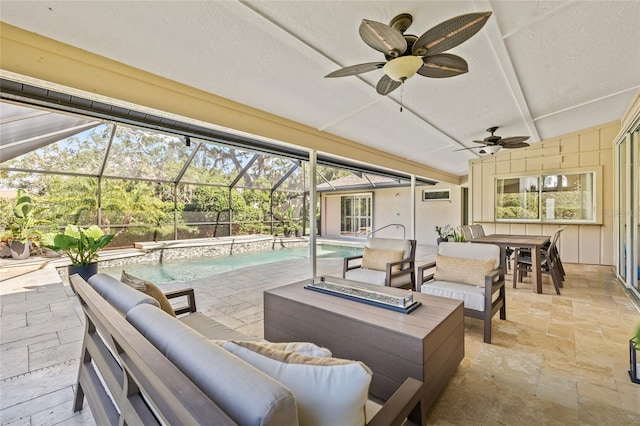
[545, 247]
[477, 230]
[466, 232]
[548, 265]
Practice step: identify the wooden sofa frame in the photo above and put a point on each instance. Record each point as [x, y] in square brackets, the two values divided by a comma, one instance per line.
[493, 283]
[126, 380]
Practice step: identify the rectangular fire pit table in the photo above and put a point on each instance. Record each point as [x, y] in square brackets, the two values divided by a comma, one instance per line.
[426, 344]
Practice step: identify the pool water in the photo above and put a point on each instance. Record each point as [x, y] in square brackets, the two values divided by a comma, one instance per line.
[181, 270]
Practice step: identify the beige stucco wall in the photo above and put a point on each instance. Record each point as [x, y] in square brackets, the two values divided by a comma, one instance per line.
[330, 221]
[393, 206]
[440, 213]
[587, 149]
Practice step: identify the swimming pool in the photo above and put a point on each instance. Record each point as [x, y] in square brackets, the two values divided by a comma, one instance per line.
[190, 269]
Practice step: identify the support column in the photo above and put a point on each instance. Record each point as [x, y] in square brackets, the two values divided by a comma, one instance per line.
[412, 218]
[313, 155]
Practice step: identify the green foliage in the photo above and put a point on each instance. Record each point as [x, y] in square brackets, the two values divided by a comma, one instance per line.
[458, 237]
[135, 209]
[24, 219]
[80, 245]
[518, 206]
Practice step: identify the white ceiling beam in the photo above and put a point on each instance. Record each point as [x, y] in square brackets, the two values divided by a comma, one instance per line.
[496, 40]
[631, 89]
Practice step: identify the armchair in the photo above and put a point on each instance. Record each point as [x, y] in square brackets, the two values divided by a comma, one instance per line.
[468, 272]
[385, 261]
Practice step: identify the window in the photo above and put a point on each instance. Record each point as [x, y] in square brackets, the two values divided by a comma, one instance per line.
[517, 198]
[436, 195]
[557, 197]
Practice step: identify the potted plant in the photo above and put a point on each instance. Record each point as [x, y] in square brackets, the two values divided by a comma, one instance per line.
[81, 246]
[22, 230]
[444, 232]
[458, 237]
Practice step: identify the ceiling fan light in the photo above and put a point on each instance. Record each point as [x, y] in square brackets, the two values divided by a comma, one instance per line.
[492, 149]
[402, 68]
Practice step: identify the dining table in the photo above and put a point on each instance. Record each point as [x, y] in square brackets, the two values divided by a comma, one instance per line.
[533, 242]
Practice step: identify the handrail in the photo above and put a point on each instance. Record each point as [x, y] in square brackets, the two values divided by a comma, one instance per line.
[404, 230]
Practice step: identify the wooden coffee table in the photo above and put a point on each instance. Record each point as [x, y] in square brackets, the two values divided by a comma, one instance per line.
[427, 344]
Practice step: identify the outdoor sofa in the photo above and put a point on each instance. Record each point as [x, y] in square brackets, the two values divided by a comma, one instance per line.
[140, 365]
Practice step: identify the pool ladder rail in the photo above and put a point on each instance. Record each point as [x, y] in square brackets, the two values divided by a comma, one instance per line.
[397, 225]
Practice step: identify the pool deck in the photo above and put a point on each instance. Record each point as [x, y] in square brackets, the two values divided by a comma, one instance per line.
[556, 360]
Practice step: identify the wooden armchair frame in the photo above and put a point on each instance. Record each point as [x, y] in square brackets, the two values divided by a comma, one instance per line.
[406, 265]
[190, 306]
[493, 283]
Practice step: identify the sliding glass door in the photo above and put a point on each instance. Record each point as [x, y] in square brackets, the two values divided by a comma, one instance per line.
[355, 215]
[628, 230]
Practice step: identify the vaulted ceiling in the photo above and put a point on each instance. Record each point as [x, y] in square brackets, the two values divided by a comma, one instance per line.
[537, 68]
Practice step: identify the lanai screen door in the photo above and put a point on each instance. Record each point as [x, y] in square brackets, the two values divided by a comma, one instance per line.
[355, 214]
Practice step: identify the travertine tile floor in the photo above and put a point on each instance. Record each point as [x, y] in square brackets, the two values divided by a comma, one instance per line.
[556, 360]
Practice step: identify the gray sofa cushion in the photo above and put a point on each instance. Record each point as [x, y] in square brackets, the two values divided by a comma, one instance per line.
[247, 395]
[210, 329]
[119, 295]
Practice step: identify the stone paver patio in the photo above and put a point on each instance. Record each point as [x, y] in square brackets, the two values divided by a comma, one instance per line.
[556, 360]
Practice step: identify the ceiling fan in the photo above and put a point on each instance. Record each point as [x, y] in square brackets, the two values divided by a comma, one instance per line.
[494, 143]
[407, 55]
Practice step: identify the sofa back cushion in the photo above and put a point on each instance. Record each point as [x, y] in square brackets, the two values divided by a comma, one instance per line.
[119, 295]
[329, 391]
[246, 394]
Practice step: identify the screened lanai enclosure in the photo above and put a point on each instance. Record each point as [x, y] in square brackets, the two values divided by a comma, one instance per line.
[144, 184]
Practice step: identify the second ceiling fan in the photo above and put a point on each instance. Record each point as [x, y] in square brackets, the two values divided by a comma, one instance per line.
[495, 143]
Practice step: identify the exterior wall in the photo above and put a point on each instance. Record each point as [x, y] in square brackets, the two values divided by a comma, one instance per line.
[589, 148]
[393, 206]
[430, 214]
[330, 215]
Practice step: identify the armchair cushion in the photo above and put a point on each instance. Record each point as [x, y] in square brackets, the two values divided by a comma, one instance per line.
[378, 259]
[472, 296]
[460, 270]
[328, 391]
[370, 276]
[391, 244]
